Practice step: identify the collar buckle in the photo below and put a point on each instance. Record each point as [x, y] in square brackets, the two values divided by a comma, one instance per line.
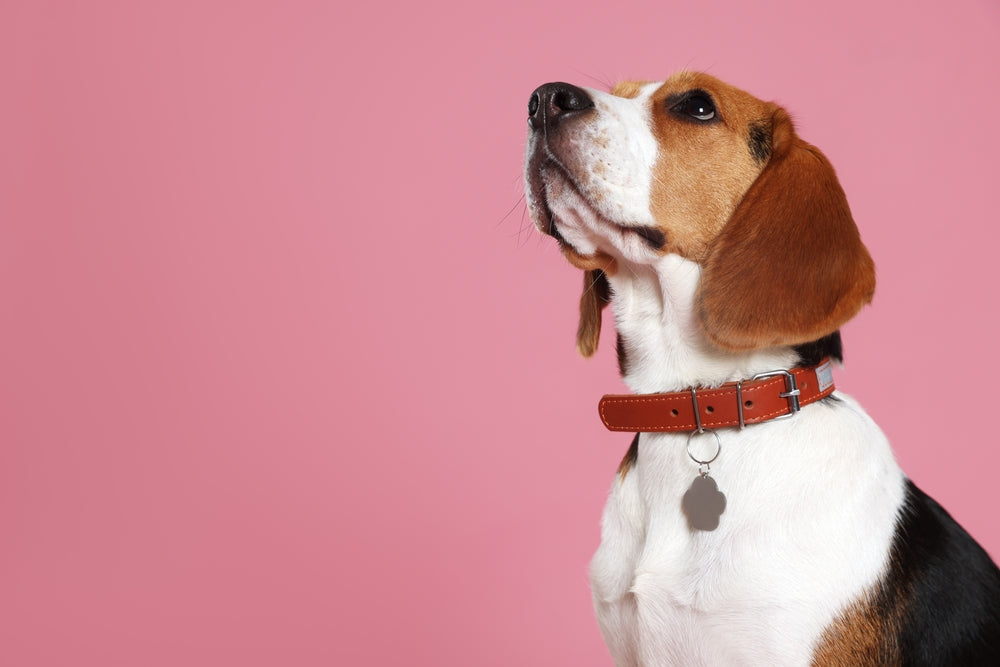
[791, 393]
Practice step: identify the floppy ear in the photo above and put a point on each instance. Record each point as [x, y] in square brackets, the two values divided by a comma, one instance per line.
[789, 267]
[596, 295]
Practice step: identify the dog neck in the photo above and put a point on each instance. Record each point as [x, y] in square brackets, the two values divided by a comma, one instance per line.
[661, 343]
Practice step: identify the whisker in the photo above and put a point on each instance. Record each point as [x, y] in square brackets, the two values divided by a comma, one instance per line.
[520, 200]
[605, 82]
[524, 227]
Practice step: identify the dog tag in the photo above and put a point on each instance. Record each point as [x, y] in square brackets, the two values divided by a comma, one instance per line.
[703, 504]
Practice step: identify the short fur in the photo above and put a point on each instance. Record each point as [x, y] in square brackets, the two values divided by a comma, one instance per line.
[793, 232]
[727, 248]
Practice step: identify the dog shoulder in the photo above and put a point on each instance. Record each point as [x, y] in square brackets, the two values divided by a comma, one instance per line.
[937, 604]
[951, 587]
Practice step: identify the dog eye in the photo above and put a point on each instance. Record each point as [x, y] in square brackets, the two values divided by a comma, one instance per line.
[698, 106]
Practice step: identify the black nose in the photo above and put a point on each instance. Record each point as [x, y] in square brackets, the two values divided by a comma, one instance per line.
[554, 101]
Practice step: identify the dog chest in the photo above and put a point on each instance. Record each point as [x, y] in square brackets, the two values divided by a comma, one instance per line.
[785, 560]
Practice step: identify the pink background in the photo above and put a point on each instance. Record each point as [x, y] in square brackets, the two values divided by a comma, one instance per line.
[287, 378]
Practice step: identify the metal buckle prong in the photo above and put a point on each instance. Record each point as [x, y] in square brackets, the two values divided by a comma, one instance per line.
[791, 393]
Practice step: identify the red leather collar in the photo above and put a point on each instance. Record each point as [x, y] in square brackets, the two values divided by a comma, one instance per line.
[764, 397]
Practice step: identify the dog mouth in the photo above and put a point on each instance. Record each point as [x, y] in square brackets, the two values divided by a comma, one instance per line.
[548, 222]
[653, 236]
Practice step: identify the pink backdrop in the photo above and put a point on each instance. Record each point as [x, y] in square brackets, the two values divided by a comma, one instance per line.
[286, 377]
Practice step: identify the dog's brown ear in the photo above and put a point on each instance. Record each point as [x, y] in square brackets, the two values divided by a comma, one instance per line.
[596, 295]
[789, 267]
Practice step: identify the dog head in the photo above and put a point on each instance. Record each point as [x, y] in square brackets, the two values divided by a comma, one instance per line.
[697, 168]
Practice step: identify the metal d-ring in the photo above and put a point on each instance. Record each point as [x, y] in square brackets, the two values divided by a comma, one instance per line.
[703, 466]
[718, 448]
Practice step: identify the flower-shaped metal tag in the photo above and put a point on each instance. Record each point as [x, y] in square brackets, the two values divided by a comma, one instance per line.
[703, 504]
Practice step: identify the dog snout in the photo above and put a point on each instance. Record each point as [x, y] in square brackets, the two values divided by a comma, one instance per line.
[552, 102]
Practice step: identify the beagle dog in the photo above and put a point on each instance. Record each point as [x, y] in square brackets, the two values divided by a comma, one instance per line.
[759, 517]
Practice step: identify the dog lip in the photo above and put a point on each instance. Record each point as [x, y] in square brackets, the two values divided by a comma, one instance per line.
[536, 188]
[653, 236]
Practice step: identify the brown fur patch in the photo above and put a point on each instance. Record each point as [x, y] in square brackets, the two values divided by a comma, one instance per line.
[864, 634]
[789, 267]
[628, 89]
[598, 261]
[703, 169]
[631, 456]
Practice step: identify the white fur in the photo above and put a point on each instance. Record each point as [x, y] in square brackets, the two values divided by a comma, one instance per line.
[811, 501]
[810, 513]
[602, 177]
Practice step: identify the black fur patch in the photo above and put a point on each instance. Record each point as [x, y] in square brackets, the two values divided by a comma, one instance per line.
[810, 354]
[651, 235]
[949, 589]
[622, 355]
[759, 142]
[601, 286]
[554, 233]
